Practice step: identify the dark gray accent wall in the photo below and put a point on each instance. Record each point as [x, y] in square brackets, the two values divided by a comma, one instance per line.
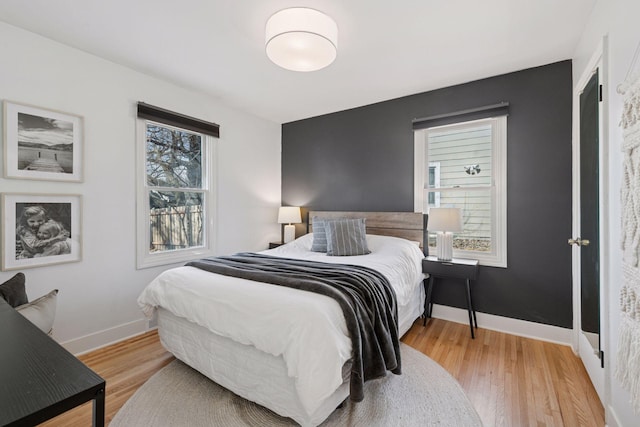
[362, 159]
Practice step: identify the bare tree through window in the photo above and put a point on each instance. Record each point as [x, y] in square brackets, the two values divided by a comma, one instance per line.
[175, 178]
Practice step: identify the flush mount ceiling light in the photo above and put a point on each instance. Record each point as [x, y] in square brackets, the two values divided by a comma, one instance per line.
[301, 39]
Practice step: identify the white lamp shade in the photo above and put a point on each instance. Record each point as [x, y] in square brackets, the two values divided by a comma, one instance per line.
[301, 39]
[445, 219]
[289, 215]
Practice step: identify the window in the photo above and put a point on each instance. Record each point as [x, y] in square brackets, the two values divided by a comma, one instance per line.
[466, 169]
[174, 196]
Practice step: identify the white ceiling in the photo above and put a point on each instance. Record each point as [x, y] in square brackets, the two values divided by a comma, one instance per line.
[386, 49]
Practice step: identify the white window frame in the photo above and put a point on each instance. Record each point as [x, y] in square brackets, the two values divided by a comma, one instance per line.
[436, 168]
[498, 255]
[145, 258]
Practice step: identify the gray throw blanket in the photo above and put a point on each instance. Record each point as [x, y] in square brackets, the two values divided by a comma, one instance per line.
[365, 296]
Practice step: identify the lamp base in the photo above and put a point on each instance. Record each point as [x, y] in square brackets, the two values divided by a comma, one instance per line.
[444, 246]
[289, 233]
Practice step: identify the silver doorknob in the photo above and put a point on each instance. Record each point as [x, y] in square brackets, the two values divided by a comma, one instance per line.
[578, 241]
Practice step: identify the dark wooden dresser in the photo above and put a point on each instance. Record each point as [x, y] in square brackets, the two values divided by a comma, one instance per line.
[39, 379]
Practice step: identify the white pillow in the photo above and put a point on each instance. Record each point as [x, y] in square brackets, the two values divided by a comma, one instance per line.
[41, 312]
[303, 242]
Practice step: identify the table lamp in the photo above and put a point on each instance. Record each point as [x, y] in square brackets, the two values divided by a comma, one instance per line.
[289, 215]
[445, 221]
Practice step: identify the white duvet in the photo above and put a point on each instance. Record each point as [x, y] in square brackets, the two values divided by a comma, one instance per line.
[308, 330]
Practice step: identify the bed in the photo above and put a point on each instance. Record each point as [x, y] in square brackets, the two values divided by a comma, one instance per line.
[285, 349]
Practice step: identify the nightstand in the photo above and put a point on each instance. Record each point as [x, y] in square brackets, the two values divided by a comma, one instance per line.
[273, 245]
[457, 268]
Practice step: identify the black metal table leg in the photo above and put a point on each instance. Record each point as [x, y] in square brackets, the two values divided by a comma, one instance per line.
[98, 409]
[428, 305]
[472, 313]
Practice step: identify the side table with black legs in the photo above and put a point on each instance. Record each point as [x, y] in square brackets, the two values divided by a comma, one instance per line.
[457, 268]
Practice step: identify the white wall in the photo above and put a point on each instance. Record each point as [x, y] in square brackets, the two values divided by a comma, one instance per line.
[97, 299]
[618, 19]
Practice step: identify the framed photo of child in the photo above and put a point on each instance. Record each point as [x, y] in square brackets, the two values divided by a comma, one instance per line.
[40, 229]
[42, 144]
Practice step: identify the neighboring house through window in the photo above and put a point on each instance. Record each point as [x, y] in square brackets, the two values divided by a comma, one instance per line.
[466, 169]
[174, 193]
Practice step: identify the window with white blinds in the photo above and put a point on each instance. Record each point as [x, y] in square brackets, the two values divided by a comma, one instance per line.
[463, 165]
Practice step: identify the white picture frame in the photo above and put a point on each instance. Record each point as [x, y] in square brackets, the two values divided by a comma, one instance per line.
[42, 144]
[40, 230]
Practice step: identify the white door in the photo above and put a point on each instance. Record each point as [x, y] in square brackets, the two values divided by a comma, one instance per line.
[588, 200]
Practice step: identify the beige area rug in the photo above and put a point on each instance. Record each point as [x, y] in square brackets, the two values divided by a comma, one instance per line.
[424, 395]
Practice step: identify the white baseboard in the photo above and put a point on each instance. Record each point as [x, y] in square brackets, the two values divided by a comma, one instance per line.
[611, 418]
[87, 343]
[507, 325]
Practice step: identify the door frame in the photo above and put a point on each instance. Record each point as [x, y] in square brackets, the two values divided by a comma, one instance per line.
[599, 376]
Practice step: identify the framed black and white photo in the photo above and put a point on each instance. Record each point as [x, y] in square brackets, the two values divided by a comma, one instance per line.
[42, 144]
[40, 229]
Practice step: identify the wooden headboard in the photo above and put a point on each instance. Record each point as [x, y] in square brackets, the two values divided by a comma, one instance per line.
[407, 225]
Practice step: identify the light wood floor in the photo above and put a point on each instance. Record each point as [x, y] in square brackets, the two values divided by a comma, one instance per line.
[512, 381]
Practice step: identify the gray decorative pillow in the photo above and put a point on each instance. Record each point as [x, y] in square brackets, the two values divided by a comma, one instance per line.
[347, 237]
[13, 291]
[42, 311]
[319, 235]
